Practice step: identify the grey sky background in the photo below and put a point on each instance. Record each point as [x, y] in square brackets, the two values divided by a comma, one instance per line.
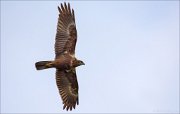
[130, 48]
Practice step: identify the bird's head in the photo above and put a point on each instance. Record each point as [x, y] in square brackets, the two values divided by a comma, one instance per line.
[78, 63]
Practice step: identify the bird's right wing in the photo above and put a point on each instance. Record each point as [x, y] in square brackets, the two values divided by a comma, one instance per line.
[66, 35]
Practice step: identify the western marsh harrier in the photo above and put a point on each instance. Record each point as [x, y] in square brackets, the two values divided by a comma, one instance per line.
[65, 61]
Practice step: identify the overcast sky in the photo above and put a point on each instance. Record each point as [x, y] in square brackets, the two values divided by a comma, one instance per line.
[130, 48]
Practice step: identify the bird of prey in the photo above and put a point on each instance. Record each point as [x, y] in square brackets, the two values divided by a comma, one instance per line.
[65, 61]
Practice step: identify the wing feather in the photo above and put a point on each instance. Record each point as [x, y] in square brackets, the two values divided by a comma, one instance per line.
[68, 88]
[66, 35]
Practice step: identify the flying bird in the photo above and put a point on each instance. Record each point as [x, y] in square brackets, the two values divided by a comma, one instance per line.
[65, 61]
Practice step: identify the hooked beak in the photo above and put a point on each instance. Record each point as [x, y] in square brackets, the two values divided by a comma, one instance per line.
[82, 63]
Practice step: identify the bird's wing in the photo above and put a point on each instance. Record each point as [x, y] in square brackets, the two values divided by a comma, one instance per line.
[68, 87]
[66, 35]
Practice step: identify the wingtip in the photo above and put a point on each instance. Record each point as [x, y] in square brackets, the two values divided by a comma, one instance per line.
[64, 106]
[74, 106]
[65, 6]
[59, 9]
[62, 6]
[77, 101]
[69, 107]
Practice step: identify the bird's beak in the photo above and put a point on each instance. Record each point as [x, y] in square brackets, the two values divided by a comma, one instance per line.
[82, 63]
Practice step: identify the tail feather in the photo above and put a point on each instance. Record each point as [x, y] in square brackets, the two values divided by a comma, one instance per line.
[43, 65]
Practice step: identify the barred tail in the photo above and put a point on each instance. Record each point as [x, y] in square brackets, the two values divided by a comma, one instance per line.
[43, 65]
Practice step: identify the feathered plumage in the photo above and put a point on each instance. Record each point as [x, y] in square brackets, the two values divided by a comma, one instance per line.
[65, 61]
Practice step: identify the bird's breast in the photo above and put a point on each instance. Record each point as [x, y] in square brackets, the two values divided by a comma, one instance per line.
[63, 63]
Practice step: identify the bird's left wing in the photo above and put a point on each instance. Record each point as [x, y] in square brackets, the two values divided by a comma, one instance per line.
[68, 87]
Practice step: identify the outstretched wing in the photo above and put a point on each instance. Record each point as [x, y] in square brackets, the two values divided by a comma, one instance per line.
[68, 87]
[66, 35]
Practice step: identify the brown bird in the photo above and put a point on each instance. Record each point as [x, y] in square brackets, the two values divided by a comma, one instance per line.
[65, 61]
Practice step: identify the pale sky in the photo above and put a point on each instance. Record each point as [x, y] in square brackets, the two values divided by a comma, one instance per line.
[130, 48]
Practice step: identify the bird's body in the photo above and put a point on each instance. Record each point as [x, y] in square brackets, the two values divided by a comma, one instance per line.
[65, 61]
